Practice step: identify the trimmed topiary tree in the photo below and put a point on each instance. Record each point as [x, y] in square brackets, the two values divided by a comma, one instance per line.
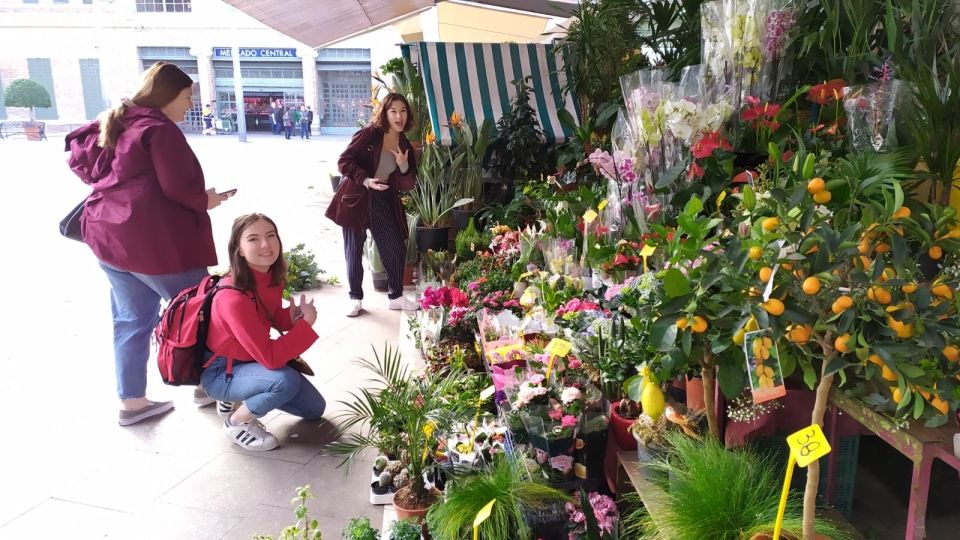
[26, 93]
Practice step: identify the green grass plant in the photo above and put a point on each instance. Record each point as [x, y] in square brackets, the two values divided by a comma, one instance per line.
[721, 494]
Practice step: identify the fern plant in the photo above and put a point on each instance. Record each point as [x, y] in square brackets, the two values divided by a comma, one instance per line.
[303, 272]
[510, 485]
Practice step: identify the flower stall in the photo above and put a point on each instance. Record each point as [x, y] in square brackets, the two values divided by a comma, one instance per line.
[746, 231]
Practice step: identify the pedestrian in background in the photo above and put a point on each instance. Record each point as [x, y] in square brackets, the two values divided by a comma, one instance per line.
[288, 122]
[146, 220]
[277, 117]
[208, 128]
[304, 123]
[376, 166]
[309, 122]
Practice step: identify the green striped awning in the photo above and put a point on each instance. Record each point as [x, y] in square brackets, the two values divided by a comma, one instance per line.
[475, 80]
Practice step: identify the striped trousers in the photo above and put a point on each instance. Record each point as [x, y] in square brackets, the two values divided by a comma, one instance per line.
[390, 244]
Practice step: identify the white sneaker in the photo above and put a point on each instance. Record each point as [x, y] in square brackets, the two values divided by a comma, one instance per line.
[404, 303]
[200, 397]
[226, 408]
[356, 309]
[250, 435]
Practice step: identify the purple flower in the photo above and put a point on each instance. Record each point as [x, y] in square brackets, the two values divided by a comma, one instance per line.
[537, 378]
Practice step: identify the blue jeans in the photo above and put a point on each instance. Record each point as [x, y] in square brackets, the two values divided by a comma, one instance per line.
[135, 302]
[263, 389]
[304, 130]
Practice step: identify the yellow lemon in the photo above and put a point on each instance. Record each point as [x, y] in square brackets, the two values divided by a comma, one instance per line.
[773, 306]
[770, 224]
[811, 285]
[755, 252]
[739, 335]
[652, 400]
[896, 395]
[816, 185]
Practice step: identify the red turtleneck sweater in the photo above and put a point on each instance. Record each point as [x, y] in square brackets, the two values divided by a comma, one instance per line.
[240, 327]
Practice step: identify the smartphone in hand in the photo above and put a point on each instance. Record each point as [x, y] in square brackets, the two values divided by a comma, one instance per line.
[229, 193]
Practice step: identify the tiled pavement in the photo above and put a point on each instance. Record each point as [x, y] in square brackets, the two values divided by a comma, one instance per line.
[67, 470]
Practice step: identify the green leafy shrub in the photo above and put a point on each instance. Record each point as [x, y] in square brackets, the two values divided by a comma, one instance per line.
[303, 273]
[359, 528]
[469, 241]
[405, 530]
[28, 94]
[305, 528]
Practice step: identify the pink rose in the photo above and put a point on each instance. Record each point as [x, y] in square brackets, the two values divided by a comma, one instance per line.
[568, 421]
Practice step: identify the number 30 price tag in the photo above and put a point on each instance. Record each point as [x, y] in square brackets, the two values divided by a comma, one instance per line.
[808, 445]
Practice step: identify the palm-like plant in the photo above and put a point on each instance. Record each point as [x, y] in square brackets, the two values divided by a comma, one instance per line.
[435, 194]
[402, 414]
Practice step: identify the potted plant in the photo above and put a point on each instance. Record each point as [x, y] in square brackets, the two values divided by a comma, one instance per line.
[412, 254]
[359, 528]
[472, 144]
[435, 196]
[409, 414]
[27, 93]
[520, 140]
[376, 266]
[335, 181]
[515, 491]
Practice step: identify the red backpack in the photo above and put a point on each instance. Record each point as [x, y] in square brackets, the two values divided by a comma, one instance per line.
[181, 335]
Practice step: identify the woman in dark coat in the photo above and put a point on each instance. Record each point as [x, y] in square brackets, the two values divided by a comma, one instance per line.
[378, 164]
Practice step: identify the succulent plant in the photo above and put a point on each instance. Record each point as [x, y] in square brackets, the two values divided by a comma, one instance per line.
[401, 479]
[380, 463]
[385, 479]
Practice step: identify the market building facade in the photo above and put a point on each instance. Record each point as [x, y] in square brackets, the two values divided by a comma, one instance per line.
[49, 41]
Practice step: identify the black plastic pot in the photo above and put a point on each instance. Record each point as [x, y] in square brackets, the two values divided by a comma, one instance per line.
[435, 239]
[461, 218]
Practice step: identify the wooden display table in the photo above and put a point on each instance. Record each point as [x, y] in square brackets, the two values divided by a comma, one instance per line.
[630, 476]
[919, 444]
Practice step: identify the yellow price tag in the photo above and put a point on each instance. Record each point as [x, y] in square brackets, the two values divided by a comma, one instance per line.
[590, 215]
[602, 205]
[428, 428]
[808, 445]
[647, 251]
[482, 516]
[558, 347]
[487, 392]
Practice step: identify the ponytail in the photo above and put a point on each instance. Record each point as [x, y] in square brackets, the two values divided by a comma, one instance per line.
[111, 125]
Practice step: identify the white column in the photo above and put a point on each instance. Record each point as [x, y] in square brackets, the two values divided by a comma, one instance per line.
[205, 73]
[311, 87]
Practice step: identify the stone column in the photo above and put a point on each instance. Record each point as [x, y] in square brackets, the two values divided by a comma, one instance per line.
[311, 87]
[205, 75]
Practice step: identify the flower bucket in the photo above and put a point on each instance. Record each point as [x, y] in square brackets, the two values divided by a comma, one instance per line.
[620, 429]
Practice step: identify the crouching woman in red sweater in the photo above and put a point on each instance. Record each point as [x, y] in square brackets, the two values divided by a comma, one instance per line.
[245, 364]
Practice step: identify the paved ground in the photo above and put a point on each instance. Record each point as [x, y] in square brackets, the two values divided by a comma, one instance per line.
[67, 469]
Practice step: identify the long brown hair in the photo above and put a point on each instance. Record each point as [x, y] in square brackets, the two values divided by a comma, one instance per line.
[380, 120]
[159, 85]
[239, 268]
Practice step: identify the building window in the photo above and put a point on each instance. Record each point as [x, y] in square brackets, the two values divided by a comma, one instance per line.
[31, 1]
[226, 72]
[93, 101]
[161, 6]
[3, 106]
[40, 71]
[61, 1]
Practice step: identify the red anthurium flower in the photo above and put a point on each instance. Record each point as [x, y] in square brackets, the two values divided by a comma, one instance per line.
[708, 143]
[696, 171]
[827, 91]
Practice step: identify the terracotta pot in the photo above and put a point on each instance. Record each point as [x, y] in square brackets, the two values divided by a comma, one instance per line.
[695, 400]
[416, 513]
[620, 429]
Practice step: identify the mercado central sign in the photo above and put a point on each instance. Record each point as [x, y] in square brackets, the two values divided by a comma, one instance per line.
[254, 52]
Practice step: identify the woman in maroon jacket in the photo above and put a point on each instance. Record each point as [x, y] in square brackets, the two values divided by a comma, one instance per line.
[376, 166]
[146, 219]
